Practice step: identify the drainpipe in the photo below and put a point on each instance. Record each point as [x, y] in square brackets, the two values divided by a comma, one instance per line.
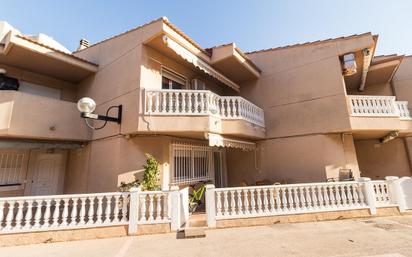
[367, 58]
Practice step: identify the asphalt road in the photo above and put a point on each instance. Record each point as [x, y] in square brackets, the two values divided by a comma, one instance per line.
[383, 237]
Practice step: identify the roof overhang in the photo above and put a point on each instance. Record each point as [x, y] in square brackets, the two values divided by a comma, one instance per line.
[221, 141]
[22, 52]
[169, 41]
[234, 63]
[382, 70]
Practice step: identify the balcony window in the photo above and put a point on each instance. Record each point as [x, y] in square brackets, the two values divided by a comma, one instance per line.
[12, 168]
[172, 80]
[194, 163]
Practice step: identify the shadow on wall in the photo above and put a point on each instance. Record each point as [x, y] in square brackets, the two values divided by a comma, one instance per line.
[130, 176]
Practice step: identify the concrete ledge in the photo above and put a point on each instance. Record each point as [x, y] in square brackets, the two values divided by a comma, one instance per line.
[307, 217]
[62, 235]
[78, 234]
[153, 229]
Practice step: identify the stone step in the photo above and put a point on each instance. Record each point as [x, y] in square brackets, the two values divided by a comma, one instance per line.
[197, 223]
[195, 232]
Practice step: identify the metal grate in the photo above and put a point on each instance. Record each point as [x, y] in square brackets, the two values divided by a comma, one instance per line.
[12, 167]
[191, 163]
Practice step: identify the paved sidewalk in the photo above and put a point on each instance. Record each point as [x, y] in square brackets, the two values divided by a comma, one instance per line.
[383, 237]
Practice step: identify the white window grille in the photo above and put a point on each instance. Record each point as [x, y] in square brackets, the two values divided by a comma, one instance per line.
[192, 163]
[12, 167]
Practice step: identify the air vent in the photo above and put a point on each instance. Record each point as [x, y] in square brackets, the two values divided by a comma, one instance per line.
[84, 43]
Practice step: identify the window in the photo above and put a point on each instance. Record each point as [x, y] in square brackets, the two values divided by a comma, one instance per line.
[194, 163]
[12, 167]
[172, 80]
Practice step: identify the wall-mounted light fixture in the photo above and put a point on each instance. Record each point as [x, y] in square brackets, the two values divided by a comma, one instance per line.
[86, 106]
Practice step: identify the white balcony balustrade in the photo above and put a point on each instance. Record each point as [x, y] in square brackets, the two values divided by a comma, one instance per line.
[56, 212]
[201, 103]
[378, 106]
[288, 199]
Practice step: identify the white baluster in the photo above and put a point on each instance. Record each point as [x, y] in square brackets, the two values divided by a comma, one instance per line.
[308, 198]
[124, 208]
[99, 212]
[302, 198]
[343, 196]
[157, 102]
[246, 199]
[65, 215]
[252, 201]
[290, 199]
[29, 214]
[143, 207]
[91, 211]
[116, 216]
[259, 200]
[326, 196]
[164, 104]
[272, 200]
[278, 201]
[296, 198]
[47, 213]
[332, 197]
[320, 197]
[266, 195]
[284, 200]
[55, 218]
[239, 202]
[314, 198]
[83, 214]
[10, 215]
[37, 217]
[338, 197]
[19, 214]
[225, 204]
[232, 203]
[158, 207]
[149, 102]
[107, 209]
[218, 204]
[151, 208]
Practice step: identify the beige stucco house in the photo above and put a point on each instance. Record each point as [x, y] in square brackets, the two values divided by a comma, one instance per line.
[302, 113]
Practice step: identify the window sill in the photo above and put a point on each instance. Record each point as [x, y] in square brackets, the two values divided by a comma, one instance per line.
[4, 188]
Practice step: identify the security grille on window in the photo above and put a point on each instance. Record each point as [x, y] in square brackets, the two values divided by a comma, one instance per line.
[192, 163]
[12, 167]
[172, 80]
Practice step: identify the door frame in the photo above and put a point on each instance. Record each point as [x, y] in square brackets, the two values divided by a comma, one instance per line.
[32, 165]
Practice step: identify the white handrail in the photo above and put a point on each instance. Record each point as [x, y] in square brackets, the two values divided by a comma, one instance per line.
[55, 212]
[201, 102]
[381, 106]
[272, 200]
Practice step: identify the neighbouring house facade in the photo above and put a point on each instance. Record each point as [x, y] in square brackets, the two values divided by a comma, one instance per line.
[300, 113]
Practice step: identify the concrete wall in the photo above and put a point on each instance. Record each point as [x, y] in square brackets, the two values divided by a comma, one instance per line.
[102, 165]
[402, 81]
[378, 89]
[305, 81]
[294, 159]
[29, 116]
[379, 160]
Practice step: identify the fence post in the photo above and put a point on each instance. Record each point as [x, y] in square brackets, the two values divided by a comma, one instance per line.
[134, 210]
[369, 193]
[175, 208]
[210, 206]
[396, 192]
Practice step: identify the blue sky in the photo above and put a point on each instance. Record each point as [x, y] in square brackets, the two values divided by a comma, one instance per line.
[252, 25]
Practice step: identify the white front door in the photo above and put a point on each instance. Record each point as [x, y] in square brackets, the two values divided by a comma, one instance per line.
[46, 172]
